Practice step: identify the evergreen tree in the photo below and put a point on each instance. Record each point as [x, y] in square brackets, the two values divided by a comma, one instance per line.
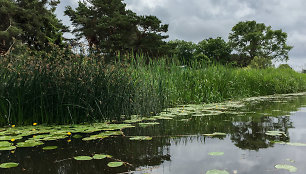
[33, 22]
[109, 27]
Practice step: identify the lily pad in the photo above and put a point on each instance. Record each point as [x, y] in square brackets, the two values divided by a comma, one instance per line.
[29, 143]
[49, 148]
[5, 144]
[7, 148]
[101, 156]
[115, 164]
[217, 172]
[296, 144]
[216, 153]
[141, 138]
[215, 134]
[275, 133]
[8, 165]
[286, 167]
[83, 158]
[148, 124]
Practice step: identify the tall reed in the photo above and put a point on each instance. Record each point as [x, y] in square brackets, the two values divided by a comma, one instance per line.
[63, 88]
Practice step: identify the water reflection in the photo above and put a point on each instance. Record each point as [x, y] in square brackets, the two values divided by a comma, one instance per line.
[180, 147]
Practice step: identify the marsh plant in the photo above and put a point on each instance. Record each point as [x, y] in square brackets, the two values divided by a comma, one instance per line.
[62, 87]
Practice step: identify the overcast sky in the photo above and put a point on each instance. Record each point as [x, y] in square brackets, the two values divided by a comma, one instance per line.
[195, 20]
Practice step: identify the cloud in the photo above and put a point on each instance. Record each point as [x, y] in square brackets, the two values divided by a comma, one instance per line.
[195, 20]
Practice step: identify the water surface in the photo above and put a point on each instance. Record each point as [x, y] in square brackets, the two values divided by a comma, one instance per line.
[179, 146]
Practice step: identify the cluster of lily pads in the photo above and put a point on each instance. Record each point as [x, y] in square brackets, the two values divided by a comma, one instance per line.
[30, 136]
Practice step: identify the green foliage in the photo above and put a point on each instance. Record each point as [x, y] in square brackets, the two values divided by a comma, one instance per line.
[260, 63]
[61, 87]
[250, 39]
[31, 22]
[284, 66]
[217, 50]
[109, 28]
[184, 51]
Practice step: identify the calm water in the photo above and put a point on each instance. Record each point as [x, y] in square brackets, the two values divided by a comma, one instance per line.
[180, 147]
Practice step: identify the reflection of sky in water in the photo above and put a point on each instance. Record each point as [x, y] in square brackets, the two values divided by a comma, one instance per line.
[192, 157]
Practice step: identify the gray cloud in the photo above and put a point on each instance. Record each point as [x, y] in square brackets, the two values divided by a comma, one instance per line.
[195, 20]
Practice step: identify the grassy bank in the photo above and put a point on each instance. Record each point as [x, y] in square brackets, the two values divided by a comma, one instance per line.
[62, 89]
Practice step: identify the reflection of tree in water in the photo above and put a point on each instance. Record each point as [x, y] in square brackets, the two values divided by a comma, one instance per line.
[251, 135]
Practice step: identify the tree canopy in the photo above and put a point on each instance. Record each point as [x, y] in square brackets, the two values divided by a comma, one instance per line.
[250, 39]
[110, 27]
[33, 22]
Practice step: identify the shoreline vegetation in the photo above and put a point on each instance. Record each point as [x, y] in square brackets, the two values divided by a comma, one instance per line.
[63, 88]
[119, 63]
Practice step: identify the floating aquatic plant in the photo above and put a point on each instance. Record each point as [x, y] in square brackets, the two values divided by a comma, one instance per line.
[141, 138]
[286, 167]
[83, 158]
[216, 153]
[101, 156]
[217, 172]
[216, 134]
[115, 164]
[49, 148]
[8, 165]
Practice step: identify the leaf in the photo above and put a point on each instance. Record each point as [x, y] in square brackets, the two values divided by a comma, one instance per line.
[49, 148]
[29, 143]
[101, 156]
[141, 138]
[215, 134]
[148, 124]
[216, 153]
[83, 158]
[286, 167]
[5, 144]
[217, 172]
[8, 165]
[275, 133]
[115, 164]
[296, 144]
[7, 148]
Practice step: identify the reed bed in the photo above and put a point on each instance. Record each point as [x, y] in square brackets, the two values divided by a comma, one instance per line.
[63, 88]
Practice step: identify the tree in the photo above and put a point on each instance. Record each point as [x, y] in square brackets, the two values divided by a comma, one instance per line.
[109, 27]
[250, 39]
[183, 50]
[33, 22]
[216, 50]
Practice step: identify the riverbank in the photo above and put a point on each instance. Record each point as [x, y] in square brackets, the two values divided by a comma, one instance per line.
[65, 90]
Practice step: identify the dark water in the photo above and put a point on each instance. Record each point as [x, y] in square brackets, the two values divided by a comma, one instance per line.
[178, 147]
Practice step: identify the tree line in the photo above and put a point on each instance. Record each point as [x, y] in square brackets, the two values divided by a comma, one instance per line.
[110, 28]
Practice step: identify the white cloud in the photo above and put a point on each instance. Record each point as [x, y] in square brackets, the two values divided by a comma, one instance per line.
[195, 20]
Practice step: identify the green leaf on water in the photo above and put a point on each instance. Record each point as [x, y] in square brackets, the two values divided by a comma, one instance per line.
[83, 158]
[163, 118]
[275, 133]
[49, 148]
[148, 124]
[7, 148]
[216, 134]
[115, 164]
[29, 143]
[216, 153]
[101, 156]
[286, 167]
[217, 172]
[8, 165]
[141, 138]
[296, 144]
[5, 144]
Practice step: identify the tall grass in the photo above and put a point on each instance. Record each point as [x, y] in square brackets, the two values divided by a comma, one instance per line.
[63, 88]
